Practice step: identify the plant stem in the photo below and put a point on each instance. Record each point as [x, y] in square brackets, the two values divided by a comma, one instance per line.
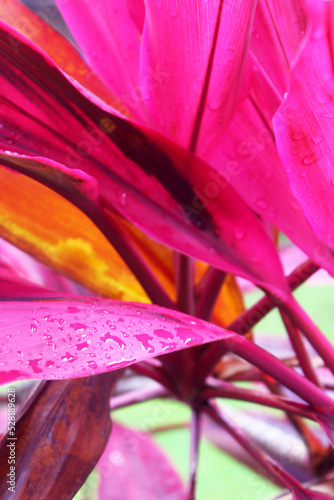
[269, 364]
[298, 345]
[230, 391]
[315, 446]
[137, 396]
[194, 448]
[315, 336]
[208, 292]
[155, 374]
[255, 451]
[184, 274]
[245, 322]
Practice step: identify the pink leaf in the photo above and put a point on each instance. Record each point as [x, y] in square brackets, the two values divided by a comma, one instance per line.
[178, 40]
[247, 156]
[133, 467]
[107, 32]
[111, 164]
[58, 338]
[304, 124]
[279, 26]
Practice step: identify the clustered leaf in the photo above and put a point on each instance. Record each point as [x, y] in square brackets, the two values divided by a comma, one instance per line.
[155, 166]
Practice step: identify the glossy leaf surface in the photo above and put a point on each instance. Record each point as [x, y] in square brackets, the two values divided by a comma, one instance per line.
[134, 172]
[75, 338]
[303, 124]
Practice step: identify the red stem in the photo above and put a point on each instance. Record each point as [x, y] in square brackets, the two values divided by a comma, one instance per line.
[276, 369]
[138, 396]
[298, 345]
[194, 448]
[153, 373]
[230, 391]
[184, 273]
[315, 336]
[208, 292]
[245, 322]
[254, 450]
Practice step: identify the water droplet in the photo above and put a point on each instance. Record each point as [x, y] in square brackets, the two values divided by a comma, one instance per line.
[69, 358]
[322, 95]
[163, 334]
[188, 336]
[308, 160]
[91, 364]
[78, 327]
[263, 204]
[111, 325]
[317, 139]
[240, 233]
[144, 340]
[82, 346]
[49, 318]
[33, 363]
[297, 135]
[72, 309]
[52, 344]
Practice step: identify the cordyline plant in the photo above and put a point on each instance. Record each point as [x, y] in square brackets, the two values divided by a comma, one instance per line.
[153, 164]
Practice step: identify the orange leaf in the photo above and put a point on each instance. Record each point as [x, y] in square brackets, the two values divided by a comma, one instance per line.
[55, 232]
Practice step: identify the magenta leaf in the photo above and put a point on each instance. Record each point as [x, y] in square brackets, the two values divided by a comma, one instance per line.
[126, 169]
[304, 124]
[55, 339]
[278, 30]
[133, 467]
[247, 156]
[110, 40]
[175, 81]
[15, 288]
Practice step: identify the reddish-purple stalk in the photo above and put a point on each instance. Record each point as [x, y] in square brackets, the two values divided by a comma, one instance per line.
[298, 345]
[315, 336]
[194, 449]
[184, 278]
[315, 446]
[283, 374]
[153, 373]
[207, 292]
[226, 390]
[247, 320]
[137, 396]
[260, 456]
